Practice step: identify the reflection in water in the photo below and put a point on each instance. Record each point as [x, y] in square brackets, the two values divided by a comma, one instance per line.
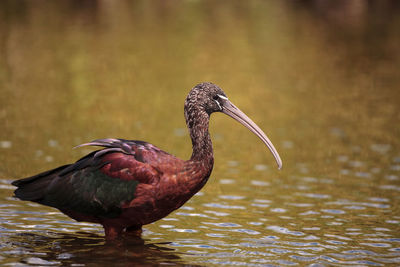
[321, 76]
[83, 248]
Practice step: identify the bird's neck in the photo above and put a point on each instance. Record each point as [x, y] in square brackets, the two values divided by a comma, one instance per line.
[197, 123]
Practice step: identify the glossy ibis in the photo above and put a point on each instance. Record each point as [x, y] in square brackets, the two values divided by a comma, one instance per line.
[129, 183]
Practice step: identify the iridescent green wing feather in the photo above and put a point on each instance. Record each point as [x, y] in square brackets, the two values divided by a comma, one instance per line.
[90, 192]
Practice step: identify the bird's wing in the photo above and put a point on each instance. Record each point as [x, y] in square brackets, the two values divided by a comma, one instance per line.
[98, 184]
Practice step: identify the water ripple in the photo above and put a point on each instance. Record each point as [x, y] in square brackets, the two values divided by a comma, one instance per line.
[222, 206]
[284, 230]
[333, 211]
[313, 195]
[377, 245]
[192, 214]
[231, 197]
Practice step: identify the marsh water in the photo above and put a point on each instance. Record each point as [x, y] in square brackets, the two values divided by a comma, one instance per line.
[321, 78]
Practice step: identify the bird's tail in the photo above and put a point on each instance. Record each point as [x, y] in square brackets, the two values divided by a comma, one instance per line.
[34, 188]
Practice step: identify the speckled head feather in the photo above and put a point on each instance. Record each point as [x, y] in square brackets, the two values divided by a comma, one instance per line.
[204, 96]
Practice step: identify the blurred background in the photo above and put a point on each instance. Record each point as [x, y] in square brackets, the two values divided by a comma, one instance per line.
[320, 77]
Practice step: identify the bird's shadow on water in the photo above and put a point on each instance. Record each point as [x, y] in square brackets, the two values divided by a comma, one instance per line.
[86, 249]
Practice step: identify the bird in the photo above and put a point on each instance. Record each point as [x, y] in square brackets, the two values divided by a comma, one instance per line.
[128, 183]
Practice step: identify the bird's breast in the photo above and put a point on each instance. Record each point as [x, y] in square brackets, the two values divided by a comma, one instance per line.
[155, 201]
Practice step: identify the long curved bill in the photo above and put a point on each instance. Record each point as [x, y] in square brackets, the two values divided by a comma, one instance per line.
[231, 110]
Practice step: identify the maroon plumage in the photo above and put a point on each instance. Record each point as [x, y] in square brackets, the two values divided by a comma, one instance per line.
[129, 183]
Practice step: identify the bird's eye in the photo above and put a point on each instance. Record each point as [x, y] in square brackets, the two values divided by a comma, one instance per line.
[216, 97]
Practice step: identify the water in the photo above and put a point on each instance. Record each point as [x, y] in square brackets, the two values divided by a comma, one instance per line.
[320, 78]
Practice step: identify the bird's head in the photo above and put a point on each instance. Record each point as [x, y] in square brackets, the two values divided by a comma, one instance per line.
[208, 97]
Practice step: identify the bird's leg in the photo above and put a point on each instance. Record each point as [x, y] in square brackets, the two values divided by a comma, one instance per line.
[135, 230]
[112, 232]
